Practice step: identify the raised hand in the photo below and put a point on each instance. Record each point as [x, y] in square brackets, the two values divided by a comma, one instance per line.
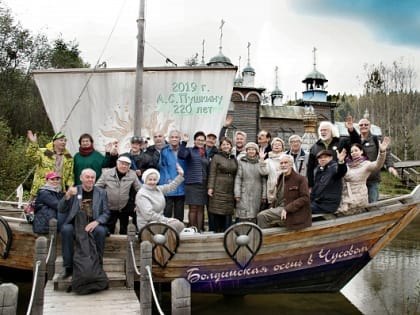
[228, 121]
[262, 154]
[349, 122]
[186, 137]
[383, 145]
[32, 136]
[341, 155]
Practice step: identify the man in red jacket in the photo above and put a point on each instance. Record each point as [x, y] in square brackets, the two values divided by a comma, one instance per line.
[292, 203]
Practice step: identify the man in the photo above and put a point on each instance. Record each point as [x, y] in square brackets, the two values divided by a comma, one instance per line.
[299, 156]
[264, 140]
[329, 139]
[328, 182]
[117, 182]
[154, 150]
[53, 158]
[168, 172]
[91, 200]
[371, 147]
[292, 199]
[211, 148]
[240, 138]
[140, 161]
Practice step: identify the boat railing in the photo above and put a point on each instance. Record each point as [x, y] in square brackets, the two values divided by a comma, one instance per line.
[44, 263]
[180, 288]
[36, 301]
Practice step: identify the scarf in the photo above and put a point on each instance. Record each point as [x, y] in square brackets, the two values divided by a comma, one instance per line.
[86, 151]
[355, 162]
[202, 151]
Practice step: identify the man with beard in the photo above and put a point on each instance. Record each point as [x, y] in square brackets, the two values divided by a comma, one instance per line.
[291, 204]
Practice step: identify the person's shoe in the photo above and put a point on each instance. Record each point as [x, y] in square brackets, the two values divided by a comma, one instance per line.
[67, 272]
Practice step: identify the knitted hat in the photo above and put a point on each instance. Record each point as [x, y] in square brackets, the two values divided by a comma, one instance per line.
[251, 145]
[58, 135]
[149, 172]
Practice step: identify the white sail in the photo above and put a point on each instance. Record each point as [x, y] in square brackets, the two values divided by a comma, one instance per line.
[185, 98]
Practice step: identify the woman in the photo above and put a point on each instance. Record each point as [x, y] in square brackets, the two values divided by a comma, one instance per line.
[271, 167]
[88, 157]
[150, 199]
[197, 164]
[355, 194]
[223, 169]
[46, 202]
[250, 187]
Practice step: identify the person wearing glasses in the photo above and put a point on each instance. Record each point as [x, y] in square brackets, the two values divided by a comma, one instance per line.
[371, 147]
[46, 203]
[299, 156]
[196, 177]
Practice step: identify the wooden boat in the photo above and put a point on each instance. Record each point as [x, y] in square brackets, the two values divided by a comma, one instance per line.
[246, 259]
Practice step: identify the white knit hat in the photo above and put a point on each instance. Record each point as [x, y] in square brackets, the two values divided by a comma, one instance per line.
[252, 145]
[148, 172]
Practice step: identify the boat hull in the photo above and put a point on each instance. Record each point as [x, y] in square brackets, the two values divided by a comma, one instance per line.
[321, 258]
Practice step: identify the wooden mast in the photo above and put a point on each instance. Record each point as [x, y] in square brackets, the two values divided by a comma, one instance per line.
[138, 98]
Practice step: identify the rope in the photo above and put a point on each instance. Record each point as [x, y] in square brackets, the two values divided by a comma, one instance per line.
[149, 272]
[167, 60]
[133, 259]
[31, 301]
[94, 68]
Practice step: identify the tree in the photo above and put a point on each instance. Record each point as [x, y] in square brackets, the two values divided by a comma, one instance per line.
[192, 61]
[66, 55]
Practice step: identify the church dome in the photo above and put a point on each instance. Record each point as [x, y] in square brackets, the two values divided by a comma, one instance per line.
[315, 75]
[220, 60]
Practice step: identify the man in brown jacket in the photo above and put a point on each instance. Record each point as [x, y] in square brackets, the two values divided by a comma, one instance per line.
[292, 203]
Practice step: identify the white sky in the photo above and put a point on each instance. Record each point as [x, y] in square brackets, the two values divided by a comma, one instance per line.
[279, 34]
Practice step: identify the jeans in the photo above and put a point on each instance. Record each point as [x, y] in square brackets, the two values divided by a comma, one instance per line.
[67, 237]
[373, 191]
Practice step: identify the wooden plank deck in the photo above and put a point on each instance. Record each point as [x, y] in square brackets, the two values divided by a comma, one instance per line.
[111, 301]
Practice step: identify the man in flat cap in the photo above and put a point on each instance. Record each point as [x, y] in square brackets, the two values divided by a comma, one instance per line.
[328, 181]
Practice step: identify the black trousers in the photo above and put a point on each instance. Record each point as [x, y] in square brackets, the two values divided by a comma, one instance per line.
[174, 207]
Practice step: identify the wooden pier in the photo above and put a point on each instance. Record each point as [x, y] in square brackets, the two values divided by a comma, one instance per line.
[116, 300]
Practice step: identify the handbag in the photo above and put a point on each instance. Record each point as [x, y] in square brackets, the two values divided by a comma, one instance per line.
[29, 211]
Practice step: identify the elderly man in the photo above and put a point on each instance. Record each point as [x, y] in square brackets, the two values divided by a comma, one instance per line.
[371, 148]
[94, 203]
[291, 203]
[329, 139]
[154, 150]
[210, 146]
[300, 158]
[264, 140]
[118, 181]
[168, 172]
[328, 182]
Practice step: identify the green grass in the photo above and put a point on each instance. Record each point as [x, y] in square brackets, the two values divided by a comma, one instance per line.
[392, 186]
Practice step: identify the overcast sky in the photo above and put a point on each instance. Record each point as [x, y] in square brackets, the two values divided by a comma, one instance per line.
[347, 34]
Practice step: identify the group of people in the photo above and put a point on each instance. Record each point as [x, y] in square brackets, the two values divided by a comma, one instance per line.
[236, 181]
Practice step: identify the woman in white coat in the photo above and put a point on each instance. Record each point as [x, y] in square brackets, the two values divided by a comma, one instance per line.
[150, 199]
[355, 194]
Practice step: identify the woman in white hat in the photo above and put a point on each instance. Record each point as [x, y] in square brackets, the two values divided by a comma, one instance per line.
[150, 199]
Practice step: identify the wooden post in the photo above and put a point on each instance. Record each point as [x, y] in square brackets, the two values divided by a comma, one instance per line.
[129, 264]
[40, 255]
[145, 288]
[180, 297]
[53, 254]
[138, 96]
[8, 298]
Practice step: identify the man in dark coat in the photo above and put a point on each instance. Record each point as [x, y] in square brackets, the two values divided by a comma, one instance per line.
[292, 199]
[328, 182]
[94, 202]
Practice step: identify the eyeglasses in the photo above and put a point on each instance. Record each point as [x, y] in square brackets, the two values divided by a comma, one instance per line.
[200, 139]
[56, 179]
[363, 125]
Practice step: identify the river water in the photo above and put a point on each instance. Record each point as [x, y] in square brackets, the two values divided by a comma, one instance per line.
[389, 284]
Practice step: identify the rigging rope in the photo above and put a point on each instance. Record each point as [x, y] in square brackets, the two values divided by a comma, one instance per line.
[94, 68]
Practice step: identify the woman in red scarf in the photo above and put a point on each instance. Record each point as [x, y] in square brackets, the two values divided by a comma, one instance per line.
[88, 157]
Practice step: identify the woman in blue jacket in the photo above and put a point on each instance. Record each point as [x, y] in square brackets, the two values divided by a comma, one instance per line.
[195, 178]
